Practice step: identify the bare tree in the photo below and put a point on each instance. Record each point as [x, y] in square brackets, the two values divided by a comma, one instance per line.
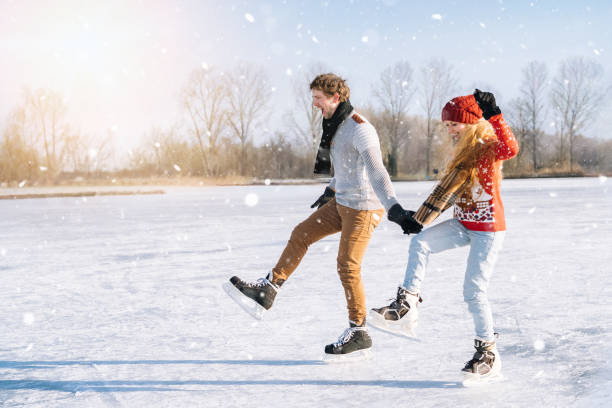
[85, 153]
[305, 120]
[394, 91]
[577, 93]
[518, 115]
[18, 157]
[48, 109]
[437, 86]
[204, 98]
[248, 97]
[533, 95]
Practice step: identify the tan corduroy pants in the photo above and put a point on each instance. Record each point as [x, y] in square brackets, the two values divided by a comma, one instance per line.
[356, 227]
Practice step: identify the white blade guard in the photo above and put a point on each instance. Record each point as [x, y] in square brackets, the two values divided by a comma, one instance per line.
[358, 355]
[247, 304]
[402, 327]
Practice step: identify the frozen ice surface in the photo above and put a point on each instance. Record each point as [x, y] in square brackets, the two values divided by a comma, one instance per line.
[101, 305]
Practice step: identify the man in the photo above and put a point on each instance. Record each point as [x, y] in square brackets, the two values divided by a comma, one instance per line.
[352, 204]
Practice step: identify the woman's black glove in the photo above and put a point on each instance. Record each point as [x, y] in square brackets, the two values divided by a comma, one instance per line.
[404, 218]
[327, 195]
[487, 104]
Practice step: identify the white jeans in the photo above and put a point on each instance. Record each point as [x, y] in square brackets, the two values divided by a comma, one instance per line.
[484, 248]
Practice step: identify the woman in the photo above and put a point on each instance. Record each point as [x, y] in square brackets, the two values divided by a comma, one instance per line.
[471, 182]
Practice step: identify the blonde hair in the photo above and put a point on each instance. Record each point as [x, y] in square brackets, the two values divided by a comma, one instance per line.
[477, 142]
[331, 84]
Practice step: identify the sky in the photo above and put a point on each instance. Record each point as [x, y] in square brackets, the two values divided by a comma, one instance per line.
[121, 65]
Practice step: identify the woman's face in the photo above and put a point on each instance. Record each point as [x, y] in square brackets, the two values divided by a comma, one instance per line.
[454, 129]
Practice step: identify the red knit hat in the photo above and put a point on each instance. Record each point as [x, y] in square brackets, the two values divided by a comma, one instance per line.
[463, 109]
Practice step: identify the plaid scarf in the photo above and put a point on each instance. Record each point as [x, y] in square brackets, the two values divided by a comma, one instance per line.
[330, 126]
[443, 196]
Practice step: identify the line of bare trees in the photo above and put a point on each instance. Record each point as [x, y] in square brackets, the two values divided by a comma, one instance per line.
[224, 110]
[38, 143]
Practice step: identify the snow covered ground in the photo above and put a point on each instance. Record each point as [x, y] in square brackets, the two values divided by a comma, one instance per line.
[116, 301]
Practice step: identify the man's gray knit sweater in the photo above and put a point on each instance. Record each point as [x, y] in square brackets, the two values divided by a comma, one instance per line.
[360, 179]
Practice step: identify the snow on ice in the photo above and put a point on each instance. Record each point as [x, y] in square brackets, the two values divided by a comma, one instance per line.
[114, 310]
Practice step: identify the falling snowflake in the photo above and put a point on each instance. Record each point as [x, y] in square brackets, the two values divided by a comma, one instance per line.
[249, 17]
[267, 182]
[28, 318]
[177, 168]
[251, 199]
[539, 345]
[436, 17]
[315, 39]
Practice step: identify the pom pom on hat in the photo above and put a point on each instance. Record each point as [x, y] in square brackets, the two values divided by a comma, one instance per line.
[462, 109]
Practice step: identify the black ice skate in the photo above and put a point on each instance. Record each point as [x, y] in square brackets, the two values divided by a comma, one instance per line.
[255, 298]
[400, 317]
[485, 366]
[352, 345]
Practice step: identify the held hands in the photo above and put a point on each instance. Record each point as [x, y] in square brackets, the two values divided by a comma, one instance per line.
[327, 195]
[405, 219]
[486, 101]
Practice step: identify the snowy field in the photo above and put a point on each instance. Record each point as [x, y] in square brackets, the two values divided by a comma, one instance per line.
[116, 301]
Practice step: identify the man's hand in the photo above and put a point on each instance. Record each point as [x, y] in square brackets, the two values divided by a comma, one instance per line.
[327, 195]
[486, 101]
[405, 219]
[412, 226]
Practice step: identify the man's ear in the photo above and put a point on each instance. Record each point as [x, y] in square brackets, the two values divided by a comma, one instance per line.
[336, 97]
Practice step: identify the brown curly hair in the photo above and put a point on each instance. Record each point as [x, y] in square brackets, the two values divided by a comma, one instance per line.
[331, 84]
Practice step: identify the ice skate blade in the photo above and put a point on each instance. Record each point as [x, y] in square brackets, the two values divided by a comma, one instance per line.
[359, 355]
[475, 380]
[396, 328]
[248, 305]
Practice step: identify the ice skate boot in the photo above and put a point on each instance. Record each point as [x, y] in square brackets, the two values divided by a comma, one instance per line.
[352, 345]
[400, 317]
[485, 366]
[255, 298]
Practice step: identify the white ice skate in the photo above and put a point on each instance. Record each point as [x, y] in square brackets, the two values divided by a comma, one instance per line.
[400, 317]
[485, 367]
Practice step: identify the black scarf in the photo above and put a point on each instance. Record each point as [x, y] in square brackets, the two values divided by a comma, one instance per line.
[330, 126]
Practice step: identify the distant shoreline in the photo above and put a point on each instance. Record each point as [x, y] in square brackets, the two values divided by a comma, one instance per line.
[160, 186]
[75, 194]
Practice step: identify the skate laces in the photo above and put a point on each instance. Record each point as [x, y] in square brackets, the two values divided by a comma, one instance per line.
[400, 300]
[261, 283]
[482, 355]
[346, 335]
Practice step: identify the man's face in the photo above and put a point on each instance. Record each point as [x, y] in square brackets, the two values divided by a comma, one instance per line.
[454, 129]
[327, 104]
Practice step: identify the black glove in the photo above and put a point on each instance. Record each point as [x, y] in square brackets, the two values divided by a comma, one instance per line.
[328, 194]
[486, 101]
[404, 218]
[412, 226]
